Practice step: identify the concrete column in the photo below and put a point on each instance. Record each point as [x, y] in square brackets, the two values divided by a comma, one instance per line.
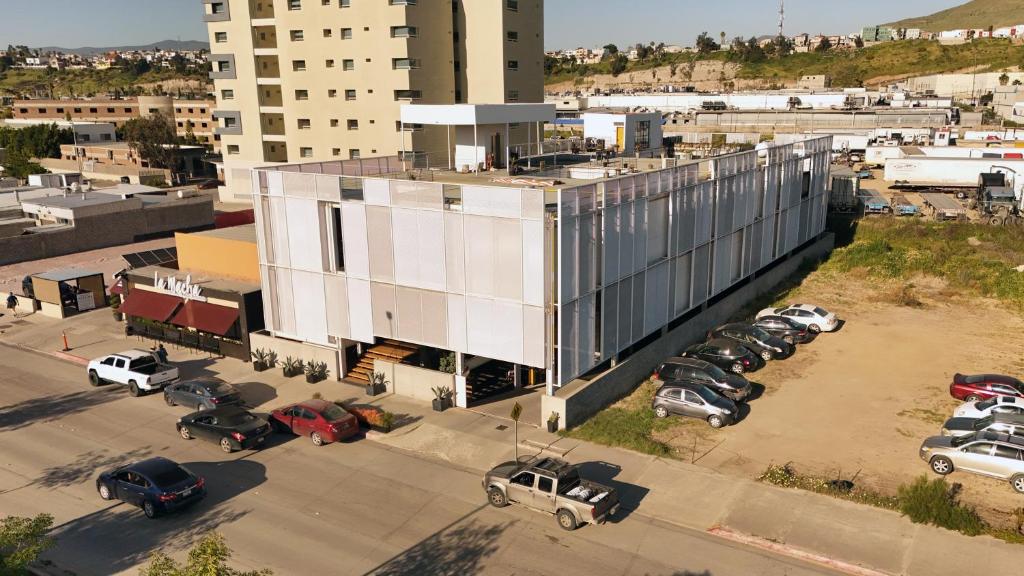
[342, 362]
[461, 397]
[517, 376]
[549, 381]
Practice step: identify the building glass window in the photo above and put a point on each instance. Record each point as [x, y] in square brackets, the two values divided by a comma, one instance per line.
[297, 36]
[304, 123]
[232, 148]
[512, 36]
[353, 124]
[332, 93]
[220, 37]
[298, 65]
[306, 152]
[408, 94]
[329, 63]
[295, 4]
[404, 32]
[512, 5]
[337, 240]
[353, 153]
[348, 65]
[513, 64]
[350, 94]
[346, 33]
[302, 94]
[227, 94]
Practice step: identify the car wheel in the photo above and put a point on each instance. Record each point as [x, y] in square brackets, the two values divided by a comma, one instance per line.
[971, 398]
[104, 491]
[941, 465]
[1018, 483]
[149, 509]
[661, 412]
[133, 389]
[94, 378]
[766, 355]
[169, 400]
[814, 328]
[317, 439]
[566, 520]
[226, 446]
[497, 498]
[737, 367]
[185, 433]
[715, 421]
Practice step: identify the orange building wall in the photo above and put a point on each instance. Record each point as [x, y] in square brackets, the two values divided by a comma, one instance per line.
[218, 257]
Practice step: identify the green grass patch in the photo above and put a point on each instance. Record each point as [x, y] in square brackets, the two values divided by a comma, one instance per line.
[937, 503]
[628, 424]
[787, 477]
[976, 258]
[84, 82]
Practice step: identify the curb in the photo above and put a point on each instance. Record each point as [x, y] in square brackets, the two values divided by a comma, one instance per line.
[790, 551]
[68, 357]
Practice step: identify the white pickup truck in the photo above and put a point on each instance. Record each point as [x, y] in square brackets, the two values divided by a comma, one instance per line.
[136, 369]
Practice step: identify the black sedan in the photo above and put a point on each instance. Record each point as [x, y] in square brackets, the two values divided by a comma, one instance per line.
[727, 355]
[202, 394]
[232, 427]
[701, 373]
[758, 341]
[785, 328]
[156, 485]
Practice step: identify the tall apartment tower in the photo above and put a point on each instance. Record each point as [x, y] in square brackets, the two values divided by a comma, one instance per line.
[320, 80]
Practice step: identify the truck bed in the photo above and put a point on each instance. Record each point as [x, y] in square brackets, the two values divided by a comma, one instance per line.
[601, 497]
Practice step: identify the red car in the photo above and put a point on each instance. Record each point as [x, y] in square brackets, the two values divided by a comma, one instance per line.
[322, 421]
[984, 386]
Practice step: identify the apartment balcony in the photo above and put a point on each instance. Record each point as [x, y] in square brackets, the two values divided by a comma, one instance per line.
[274, 152]
[264, 40]
[272, 125]
[271, 97]
[268, 70]
[261, 9]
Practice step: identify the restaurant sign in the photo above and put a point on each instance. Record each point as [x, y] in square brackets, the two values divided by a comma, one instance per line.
[184, 289]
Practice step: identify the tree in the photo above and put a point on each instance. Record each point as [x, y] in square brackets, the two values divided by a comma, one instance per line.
[1004, 79]
[705, 44]
[1016, 82]
[22, 540]
[824, 46]
[154, 140]
[858, 42]
[619, 64]
[207, 558]
[611, 49]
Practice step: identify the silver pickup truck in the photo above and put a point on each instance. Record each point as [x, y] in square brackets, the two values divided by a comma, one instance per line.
[553, 486]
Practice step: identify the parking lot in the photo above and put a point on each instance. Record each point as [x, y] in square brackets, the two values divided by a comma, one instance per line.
[856, 404]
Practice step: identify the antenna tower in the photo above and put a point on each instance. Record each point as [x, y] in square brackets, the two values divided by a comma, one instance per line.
[782, 16]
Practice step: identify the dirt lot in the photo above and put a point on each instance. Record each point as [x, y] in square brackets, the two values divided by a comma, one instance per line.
[856, 404]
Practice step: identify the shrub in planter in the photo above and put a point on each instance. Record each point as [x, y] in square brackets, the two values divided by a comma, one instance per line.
[115, 307]
[442, 398]
[553, 422]
[292, 367]
[262, 359]
[378, 384]
[316, 371]
[372, 417]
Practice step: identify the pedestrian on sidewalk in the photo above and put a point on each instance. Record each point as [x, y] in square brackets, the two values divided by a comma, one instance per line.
[161, 353]
[12, 304]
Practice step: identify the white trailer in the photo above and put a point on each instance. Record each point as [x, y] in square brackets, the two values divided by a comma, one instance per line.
[931, 172]
[880, 155]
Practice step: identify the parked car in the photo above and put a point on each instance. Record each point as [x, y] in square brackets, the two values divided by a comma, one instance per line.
[815, 318]
[998, 405]
[785, 328]
[698, 372]
[758, 341]
[727, 355]
[157, 485]
[554, 486]
[322, 421]
[232, 427]
[137, 369]
[1012, 424]
[694, 401]
[984, 386]
[985, 453]
[202, 394]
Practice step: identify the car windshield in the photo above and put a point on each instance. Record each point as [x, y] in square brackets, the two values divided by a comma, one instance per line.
[221, 389]
[759, 333]
[820, 311]
[171, 476]
[706, 394]
[333, 412]
[983, 423]
[985, 404]
[780, 310]
[716, 373]
[237, 418]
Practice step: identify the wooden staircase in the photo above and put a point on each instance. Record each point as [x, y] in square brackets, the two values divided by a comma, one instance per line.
[387, 350]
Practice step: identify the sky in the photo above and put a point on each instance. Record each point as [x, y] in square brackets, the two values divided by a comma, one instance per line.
[568, 23]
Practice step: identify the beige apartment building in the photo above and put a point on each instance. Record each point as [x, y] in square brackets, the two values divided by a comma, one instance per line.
[194, 115]
[319, 80]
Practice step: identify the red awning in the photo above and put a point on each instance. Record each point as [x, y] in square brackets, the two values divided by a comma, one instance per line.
[117, 287]
[205, 317]
[150, 305]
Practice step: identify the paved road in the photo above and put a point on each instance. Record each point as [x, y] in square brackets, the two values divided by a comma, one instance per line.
[351, 508]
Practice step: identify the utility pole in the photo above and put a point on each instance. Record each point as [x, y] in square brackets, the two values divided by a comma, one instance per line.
[782, 17]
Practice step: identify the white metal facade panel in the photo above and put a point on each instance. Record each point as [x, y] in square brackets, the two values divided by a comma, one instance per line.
[377, 192]
[508, 255]
[379, 243]
[336, 295]
[304, 245]
[285, 303]
[479, 255]
[310, 306]
[360, 312]
[454, 254]
[384, 309]
[534, 328]
[533, 263]
[492, 201]
[353, 231]
[457, 337]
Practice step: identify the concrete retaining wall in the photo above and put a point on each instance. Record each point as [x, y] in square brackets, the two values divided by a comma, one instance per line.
[412, 381]
[579, 400]
[299, 350]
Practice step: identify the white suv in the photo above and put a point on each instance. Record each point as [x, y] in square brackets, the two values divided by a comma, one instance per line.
[815, 318]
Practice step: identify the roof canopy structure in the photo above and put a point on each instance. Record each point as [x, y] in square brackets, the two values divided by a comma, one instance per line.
[476, 114]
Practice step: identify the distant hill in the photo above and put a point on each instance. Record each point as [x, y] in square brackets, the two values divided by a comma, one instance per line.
[974, 14]
[166, 45]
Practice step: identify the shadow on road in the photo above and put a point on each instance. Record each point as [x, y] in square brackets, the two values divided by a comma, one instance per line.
[119, 537]
[255, 394]
[455, 549]
[630, 495]
[49, 408]
[87, 466]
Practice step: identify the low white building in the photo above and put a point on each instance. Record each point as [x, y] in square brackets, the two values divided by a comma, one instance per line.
[626, 132]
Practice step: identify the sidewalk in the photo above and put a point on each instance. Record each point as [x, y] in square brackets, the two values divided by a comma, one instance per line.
[845, 536]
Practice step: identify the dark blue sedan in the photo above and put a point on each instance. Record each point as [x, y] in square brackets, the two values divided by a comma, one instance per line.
[156, 485]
